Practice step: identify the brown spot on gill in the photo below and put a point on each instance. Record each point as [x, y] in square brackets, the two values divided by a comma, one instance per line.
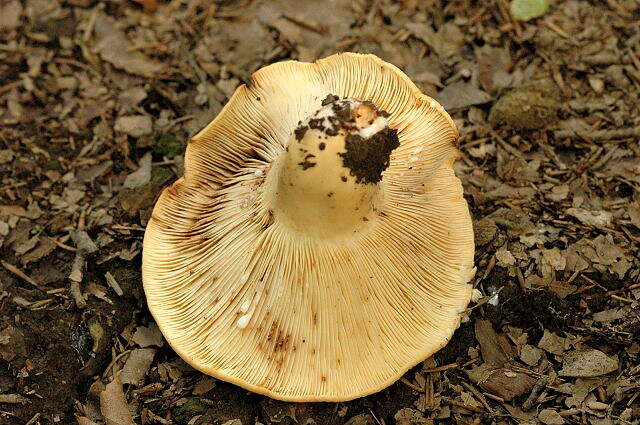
[268, 219]
[315, 319]
[282, 342]
[323, 378]
[272, 331]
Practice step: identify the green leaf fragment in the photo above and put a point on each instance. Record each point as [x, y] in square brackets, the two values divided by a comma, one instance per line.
[524, 10]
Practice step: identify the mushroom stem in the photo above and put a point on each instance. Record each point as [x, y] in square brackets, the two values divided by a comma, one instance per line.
[328, 178]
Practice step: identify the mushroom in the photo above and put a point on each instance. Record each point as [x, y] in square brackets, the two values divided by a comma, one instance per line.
[318, 245]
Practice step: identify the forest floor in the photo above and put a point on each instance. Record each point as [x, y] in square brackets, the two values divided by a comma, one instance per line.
[98, 99]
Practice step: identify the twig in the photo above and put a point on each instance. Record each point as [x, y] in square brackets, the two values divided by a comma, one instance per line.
[479, 396]
[619, 298]
[120, 227]
[88, 30]
[535, 392]
[311, 26]
[76, 277]
[10, 86]
[33, 419]
[113, 362]
[19, 273]
[61, 245]
[113, 283]
[158, 419]
[599, 135]
[505, 144]
[441, 368]
[410, 384]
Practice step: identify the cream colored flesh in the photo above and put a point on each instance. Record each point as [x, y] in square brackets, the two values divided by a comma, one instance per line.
[311, 189]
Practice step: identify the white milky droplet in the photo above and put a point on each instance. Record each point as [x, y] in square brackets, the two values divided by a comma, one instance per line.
[245, 306]
[243, 321]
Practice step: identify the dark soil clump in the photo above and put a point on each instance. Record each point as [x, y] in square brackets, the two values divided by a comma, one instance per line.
[368, 158]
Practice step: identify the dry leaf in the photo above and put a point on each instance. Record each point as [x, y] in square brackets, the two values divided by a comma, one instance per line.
[146, 336]
[461, 95]
[587, 363]
[137, 366]
[114, 47]
[502, 382]
[591, 218]
[142, 175]
[85, 421]
[552, 343]
[550, 417]
[495, 348]
[113, 405]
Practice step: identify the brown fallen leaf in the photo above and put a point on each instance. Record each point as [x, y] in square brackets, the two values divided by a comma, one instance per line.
[114, 47]
[597, 219]
[447, 41]
[45, 247]
[85, 421]
[10, 12]
[137, 366]
[552, 343]
[494, 347]
[461, 95]
[587, 363]
[12, 344]
[146, 336]
[113, 405]
[502, 382]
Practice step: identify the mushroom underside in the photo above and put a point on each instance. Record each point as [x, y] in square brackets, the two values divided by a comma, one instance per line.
[242, 294]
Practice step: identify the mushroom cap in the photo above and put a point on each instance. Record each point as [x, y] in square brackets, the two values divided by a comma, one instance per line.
[244, 298]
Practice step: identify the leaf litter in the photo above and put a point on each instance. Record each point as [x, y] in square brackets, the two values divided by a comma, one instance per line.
[98, 99]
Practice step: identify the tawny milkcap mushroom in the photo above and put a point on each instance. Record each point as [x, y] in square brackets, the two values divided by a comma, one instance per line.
[318, 245]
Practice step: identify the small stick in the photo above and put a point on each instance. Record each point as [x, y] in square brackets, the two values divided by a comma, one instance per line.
[619, 298]
[599, 135]
[61, 245]
[16, 271]
[34, 419]
[479, 396]
[441, 368]
[535, 392]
